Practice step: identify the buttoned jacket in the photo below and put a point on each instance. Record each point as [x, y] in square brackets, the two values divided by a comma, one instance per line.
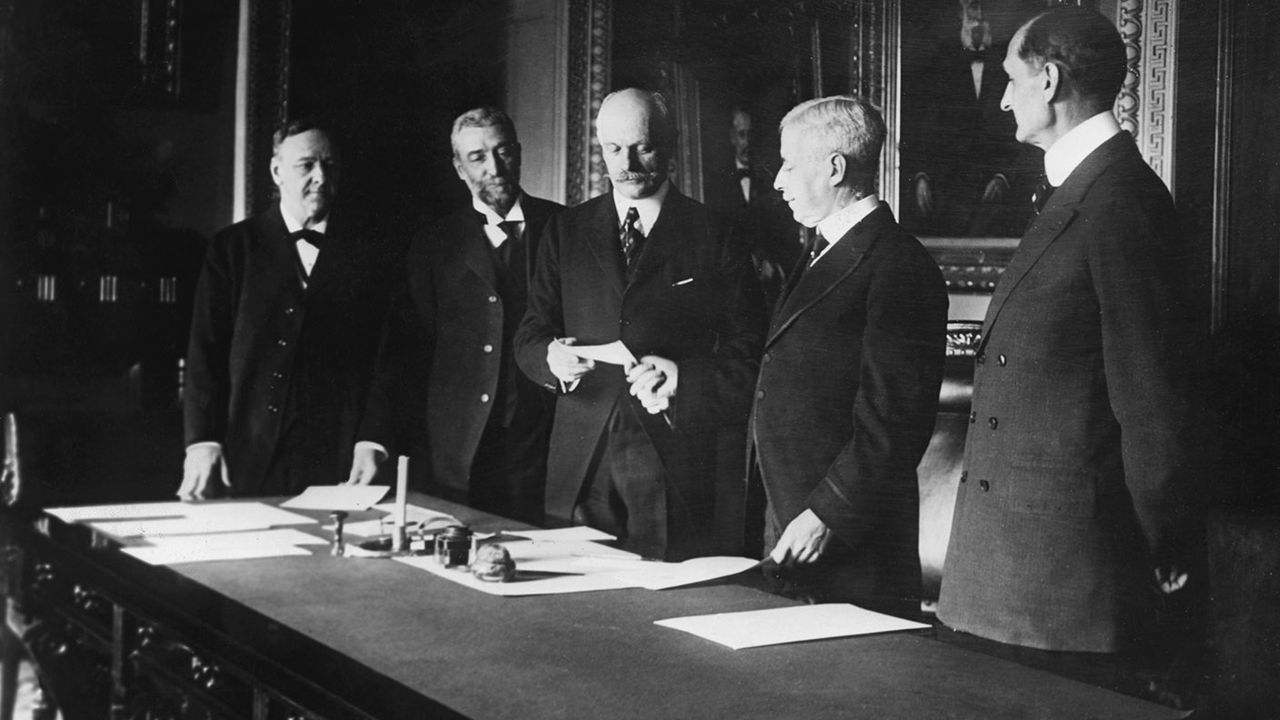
[1078, 464]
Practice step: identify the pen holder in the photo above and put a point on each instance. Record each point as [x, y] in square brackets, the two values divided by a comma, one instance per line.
[453, 546]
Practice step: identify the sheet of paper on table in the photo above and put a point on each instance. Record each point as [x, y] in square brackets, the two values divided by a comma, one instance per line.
[662, 575]
[776, 626]
[429, 520]
[349, 498]
[534, 582]
[260, 514]
[565, 534]
[225, 546]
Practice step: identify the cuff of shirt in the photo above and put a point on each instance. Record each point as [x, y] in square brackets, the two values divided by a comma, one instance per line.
[376, 447]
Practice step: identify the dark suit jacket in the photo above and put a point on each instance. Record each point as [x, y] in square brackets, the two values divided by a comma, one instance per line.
[847, 395]
[443, 354]
[694, 300]
[255, 327]
[1077, 465]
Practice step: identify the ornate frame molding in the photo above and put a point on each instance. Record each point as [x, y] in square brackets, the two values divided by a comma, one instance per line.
[1146, 104]
[589, 51]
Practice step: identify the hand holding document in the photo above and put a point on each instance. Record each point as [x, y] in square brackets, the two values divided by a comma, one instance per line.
[756, 628]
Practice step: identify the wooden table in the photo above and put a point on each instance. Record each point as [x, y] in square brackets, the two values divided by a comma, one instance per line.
[328, 637]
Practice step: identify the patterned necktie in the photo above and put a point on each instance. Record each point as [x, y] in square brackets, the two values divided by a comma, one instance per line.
[631, 237]
[1041, 193]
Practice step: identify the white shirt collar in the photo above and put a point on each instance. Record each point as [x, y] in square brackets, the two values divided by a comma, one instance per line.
[491, 217]
[492, 231]
[294, 225]
[1065, 156]
[648, 207]
[837, 224]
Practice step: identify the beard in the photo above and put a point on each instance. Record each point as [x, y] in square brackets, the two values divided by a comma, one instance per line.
[499, 194]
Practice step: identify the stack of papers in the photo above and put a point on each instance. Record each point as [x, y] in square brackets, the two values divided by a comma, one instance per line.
[179, 518]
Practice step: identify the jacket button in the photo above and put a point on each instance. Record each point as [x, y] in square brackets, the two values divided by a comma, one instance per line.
[484, 398]
[493, 298]
[759, 394]
[1002, 360]
[964, 476]
[273, 408]
[984, 485]
[624, 323]
[282, 342]
[277, 375]
[993, 423]
[288, 311]
[488, 348]
[768, 357]
[973, 417]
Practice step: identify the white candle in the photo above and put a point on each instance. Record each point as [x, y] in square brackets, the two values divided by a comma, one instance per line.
[402, 509]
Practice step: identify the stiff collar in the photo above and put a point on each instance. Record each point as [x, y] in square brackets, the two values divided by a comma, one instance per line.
[648, 207]
[1071, 149]
[837, 224]
[293, 225]
[491, 216]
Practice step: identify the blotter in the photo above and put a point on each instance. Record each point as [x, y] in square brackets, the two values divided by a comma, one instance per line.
[757, 628]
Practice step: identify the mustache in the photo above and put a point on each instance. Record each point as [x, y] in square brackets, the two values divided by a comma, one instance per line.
[626, 176]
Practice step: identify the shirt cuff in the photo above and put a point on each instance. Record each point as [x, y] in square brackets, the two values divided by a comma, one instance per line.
[376, 447]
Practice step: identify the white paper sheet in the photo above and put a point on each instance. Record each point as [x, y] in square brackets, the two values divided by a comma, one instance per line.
[351, 498]
[565, 534]
[532, 584]
[244, 513]
[127, 511]
[756, 628]
[614, 353]
[174, 526]
[205, 553]
[662, 575]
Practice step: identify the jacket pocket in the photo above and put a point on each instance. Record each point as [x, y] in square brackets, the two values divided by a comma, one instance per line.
[1042, 488]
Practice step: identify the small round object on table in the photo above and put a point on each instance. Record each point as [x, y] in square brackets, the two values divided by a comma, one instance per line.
[493, 563]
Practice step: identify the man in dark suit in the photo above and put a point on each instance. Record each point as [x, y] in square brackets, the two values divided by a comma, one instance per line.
[1076, 506]
[649, 451]
[280, 350]
[447, 391]
[848, 388]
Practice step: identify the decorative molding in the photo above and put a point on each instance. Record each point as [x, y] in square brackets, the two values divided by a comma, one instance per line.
[1158, 86]
[589, 41]
[880, 79]
[1128, 104]
[265, 74]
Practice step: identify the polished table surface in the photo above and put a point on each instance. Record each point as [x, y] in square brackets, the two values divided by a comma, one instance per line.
[397, 642]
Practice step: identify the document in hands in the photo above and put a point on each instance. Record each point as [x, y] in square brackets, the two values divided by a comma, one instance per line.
[614, 353]
[776, 626]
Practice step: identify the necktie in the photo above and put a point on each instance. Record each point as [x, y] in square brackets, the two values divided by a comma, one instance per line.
[1040, 195]
[631, 237]
[819, 244]
[511, 228]
[313, 238]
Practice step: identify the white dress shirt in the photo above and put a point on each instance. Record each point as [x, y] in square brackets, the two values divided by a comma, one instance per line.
[496, 234]
[1071, 149]
[307, 252]
[648, 207]
[837, 224]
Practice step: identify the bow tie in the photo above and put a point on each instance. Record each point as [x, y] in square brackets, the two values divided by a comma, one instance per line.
[1041, 193]
[742, 173]
[314, 238]
[976, 55]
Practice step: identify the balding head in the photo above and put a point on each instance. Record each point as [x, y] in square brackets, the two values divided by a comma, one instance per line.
[636, 137]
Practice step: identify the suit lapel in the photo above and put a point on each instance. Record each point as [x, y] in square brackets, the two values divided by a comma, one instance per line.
[837, 264]
[662, 239]
[1053, 220]
[602, 238]
[475, 250]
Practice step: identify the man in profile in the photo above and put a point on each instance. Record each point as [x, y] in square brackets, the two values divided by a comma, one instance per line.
[649, 451]
[1078, 505]
[848, 389]
[474, 426]
[284, 322]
